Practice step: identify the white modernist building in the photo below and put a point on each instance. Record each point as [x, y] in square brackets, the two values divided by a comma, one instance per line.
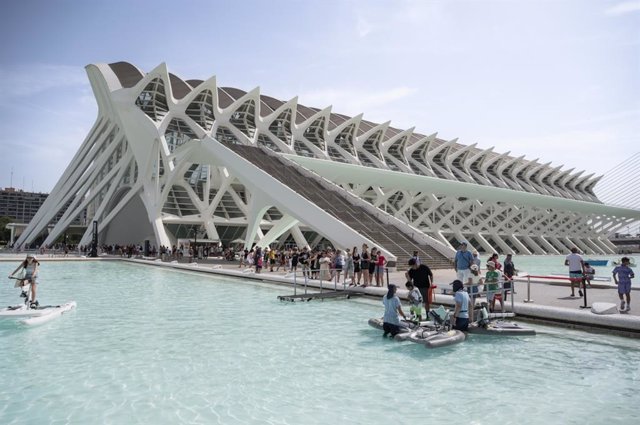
[156, 166]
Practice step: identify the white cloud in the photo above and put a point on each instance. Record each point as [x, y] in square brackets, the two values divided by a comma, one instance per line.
[623, 8]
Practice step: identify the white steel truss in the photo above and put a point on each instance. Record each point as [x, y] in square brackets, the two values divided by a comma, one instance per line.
[150, 169]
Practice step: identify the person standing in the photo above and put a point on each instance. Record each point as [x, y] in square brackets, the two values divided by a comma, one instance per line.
[356, 266]
[373, 263]
[415, 298]
[461, 312]
[416, 257]
[462, 263]
[492, 281]
[295, 256]
[576, 269]
[622, 276]
[364, 265]
[476, 259]
[380, 265]
[339, 263]
[508, 271]
[325, 265]
[589, 274]
[303, 260]
[474, 283]
[348, 267]
[30, 266]
[421, 276]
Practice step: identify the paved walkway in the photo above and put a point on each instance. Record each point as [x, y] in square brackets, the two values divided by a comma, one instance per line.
[549, 300]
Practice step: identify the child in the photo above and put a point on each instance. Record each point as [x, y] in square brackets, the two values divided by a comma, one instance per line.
[416, 301]
[589, 273]
[475, 281]
[491, 279]
[622, 276]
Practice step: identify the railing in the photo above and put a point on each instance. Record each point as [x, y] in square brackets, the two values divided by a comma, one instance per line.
[306, 276]
[500, 291]
[581, 281]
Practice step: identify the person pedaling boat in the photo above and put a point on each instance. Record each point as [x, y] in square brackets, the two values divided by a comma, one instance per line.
[30, 268]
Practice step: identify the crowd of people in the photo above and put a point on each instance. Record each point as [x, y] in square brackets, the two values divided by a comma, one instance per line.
[366, 267]
[358, 268]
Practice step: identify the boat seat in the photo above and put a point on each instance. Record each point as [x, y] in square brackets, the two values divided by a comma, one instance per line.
[440, 315]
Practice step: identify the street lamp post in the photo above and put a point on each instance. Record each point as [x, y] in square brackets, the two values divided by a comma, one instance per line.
[194, 256]
[195, 243]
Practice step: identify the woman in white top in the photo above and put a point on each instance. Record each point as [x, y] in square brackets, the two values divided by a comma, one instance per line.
[325, 266]
[475, 282]
[30, 266]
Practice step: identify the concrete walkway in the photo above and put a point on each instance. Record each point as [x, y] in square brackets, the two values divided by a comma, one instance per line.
[550, 301]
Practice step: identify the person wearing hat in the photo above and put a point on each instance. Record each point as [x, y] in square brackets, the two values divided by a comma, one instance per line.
[476, 258]
[392, 310]
[462, 263]
[461, 313]
[474, 283]
[30, 267]
[492, 279]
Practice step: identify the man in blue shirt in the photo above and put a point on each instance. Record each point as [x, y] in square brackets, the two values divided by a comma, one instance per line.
[462, 263]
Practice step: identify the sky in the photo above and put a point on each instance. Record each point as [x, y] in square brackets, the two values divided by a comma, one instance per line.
[555, 80]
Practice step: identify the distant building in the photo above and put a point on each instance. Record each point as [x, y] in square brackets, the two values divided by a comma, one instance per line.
[21, 206]
[169, 159]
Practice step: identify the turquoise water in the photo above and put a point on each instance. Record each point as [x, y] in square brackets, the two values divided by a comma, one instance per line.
[151, 346]
[542, 265]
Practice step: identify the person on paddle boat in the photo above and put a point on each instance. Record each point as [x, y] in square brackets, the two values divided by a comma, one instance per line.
[392, 308]
[415, 298]
[461, 313]
[475, 281]
[492, 286]
[30, 266]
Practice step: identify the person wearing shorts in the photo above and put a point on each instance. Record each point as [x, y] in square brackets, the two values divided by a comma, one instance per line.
[576, 269]
[622, 276]
[415, 298]
[491, 280]
[30, 267]
[421, 276]
[462, 262]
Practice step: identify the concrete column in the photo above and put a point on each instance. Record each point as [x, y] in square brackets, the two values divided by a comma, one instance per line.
[280, 227]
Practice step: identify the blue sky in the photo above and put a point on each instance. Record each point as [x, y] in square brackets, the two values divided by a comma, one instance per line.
[555, 80]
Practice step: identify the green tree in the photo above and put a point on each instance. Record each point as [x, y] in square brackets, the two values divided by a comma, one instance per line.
[5, 233]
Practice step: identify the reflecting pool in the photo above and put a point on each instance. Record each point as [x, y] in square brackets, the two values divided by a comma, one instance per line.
[154, 346]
